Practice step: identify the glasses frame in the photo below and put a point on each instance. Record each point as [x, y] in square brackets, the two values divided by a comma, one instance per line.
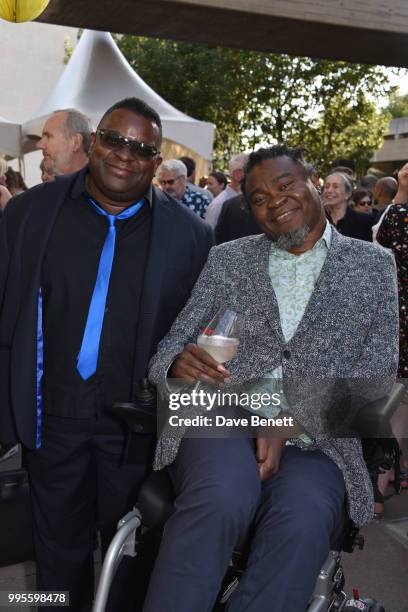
[137, 148]
[170, 182]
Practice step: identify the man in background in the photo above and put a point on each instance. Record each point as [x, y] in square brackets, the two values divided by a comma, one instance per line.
[172, 177]
[236, 171]
[191, 165]
[384, 192]
[65, 141]
[235, 221]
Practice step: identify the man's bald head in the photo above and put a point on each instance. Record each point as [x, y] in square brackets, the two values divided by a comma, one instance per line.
[385, 191]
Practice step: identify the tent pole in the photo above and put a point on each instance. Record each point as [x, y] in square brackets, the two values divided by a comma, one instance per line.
[21, 166]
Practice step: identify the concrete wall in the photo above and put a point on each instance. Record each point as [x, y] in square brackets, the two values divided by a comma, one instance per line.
[31, 62]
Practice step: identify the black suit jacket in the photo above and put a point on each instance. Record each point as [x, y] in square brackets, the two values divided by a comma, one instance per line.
[178, 249]
[234, 221]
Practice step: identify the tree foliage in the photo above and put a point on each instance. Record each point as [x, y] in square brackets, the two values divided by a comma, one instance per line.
[328, 107]
[398, 106]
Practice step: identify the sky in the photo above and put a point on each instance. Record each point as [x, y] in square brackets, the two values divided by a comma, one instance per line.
[401, 80]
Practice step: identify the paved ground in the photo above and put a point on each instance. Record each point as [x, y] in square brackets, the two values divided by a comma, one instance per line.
[380, 570]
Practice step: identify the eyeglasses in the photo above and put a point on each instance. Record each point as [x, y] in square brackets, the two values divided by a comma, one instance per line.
[364, 203]
[115, 141]
[169, 182]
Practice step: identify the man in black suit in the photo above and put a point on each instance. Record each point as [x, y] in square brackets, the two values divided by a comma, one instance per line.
[94, 267]
[235, 221]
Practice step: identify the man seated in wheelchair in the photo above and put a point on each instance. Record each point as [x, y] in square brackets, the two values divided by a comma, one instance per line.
[309, 311]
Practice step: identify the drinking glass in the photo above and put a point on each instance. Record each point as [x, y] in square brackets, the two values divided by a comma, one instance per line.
[220, 337]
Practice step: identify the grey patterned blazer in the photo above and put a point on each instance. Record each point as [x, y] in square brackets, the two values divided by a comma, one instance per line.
[349, 330]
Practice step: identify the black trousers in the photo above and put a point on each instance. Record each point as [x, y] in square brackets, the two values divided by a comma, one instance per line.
[79, 484]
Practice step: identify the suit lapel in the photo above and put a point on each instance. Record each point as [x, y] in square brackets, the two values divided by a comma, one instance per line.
[262, 290]
[331, 276]
[39, 224]
[160, 235]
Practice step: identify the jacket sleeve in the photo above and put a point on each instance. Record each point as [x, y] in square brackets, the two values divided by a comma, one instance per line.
[199, 309]
[380, 354]
[375, 371]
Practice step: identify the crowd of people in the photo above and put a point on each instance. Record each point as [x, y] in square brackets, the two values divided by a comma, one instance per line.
[108, 272]
[354, 207]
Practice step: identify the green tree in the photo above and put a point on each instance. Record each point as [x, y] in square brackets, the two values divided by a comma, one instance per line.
[252, 97]
[398, 106]
[347, 122]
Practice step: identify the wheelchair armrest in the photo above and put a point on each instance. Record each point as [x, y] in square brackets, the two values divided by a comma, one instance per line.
[140, 415]
[155, 500]
[352, 538]
[13, 485]
[137, 418]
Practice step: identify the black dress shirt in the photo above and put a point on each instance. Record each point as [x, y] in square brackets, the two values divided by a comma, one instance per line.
[68, 277]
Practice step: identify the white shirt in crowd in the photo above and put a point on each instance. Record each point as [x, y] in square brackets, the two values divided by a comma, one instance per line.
[376, 227]
[214, 209]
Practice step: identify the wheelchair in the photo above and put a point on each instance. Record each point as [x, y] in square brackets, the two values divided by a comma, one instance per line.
[155, 505]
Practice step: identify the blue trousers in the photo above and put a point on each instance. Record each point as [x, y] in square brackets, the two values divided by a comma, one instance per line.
[219, 496]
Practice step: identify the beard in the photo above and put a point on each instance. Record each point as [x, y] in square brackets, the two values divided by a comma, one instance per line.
[292, 239]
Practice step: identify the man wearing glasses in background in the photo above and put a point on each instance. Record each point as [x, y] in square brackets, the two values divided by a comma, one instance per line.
[172, 177]
[90, 268]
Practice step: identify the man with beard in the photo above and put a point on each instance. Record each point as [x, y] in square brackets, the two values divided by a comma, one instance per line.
[94, 267]
[310, 311]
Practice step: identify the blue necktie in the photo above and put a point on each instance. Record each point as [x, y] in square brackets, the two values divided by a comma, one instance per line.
[88, 354]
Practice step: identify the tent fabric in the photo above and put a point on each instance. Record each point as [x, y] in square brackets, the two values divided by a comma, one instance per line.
[10, 138]
[97, 76]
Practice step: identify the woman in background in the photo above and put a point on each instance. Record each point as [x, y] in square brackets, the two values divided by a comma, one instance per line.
[393, 234]
[363, 202]
[216, 182]
[15, 182]
[5, 195]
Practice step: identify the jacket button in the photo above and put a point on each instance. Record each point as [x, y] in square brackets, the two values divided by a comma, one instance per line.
[286, 354]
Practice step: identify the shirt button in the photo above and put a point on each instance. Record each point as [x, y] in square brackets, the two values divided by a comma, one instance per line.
[286, 354]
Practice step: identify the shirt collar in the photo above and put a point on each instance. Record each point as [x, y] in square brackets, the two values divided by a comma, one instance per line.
[326, 236]
[79, 190]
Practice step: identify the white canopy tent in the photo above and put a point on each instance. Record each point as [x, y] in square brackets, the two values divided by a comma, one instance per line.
[97, 76]
[10, 138]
